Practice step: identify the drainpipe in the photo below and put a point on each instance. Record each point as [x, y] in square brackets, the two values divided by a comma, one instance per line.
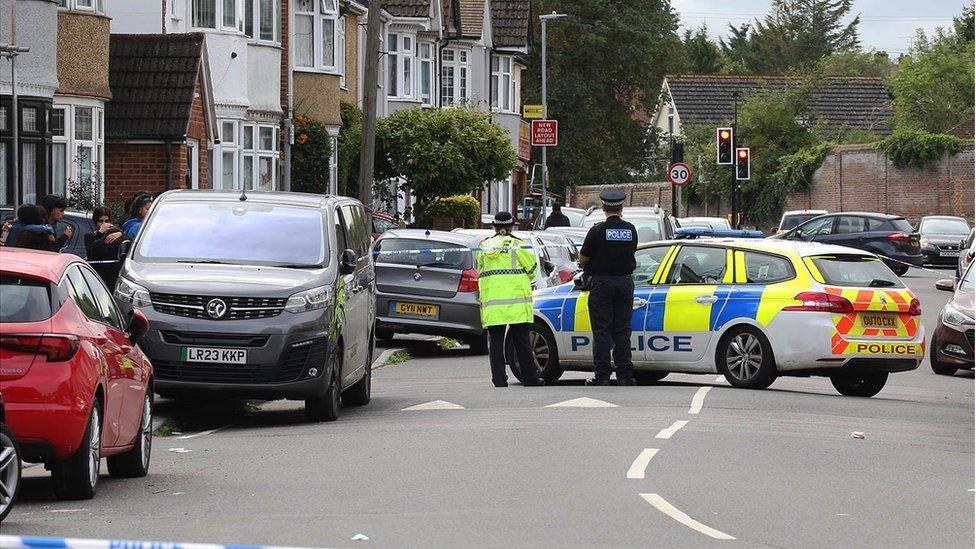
[169, 164]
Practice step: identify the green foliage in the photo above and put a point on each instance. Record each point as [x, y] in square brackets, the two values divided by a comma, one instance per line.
[795, 173]
[310, 156]
[444, 152]
[702, 56]
[349, 144]
[463, 207]
[933, 86]
[794, 34]
[605, 61]
[856, 63]
[917, 148]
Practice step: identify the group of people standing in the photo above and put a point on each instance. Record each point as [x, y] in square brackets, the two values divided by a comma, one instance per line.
[506, 266]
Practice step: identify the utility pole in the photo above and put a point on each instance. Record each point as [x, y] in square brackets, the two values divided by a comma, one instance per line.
[545, 107]
[11, 51]
[368, 148]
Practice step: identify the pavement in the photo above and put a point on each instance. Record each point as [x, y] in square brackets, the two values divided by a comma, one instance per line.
[440, 458]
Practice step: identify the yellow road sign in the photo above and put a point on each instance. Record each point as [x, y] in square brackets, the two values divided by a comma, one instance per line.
[532, 112]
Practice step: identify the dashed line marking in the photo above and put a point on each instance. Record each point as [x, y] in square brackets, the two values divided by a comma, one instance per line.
[666, 433]
[663, 506]
[698, 400]
[639, 467]
[582, 402]
[434, 405]
[201, 433]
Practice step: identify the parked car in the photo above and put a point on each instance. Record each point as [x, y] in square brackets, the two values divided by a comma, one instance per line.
[76, 387]
[653, 224]
[576, 235]
[381, 222]
[792, 218]
[546, 276]
[80, 223]
[953, 341]
[270, 296]
[967, 251]
[940, 238]
[562, 253]
[891, 237]
[575, 215]
[703, 223]
[426, 283]
[10, 468]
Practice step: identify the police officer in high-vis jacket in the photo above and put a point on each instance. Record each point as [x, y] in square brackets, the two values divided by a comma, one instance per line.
[607, 256]
[506, 266]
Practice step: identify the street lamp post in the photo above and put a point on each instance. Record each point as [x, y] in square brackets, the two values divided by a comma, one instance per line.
[735, 138]
[543, 19]
[11, 51]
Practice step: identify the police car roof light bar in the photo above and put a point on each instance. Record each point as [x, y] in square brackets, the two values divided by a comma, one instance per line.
[703, 232]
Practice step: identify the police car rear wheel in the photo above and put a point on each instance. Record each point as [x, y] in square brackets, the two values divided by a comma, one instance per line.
[649, 377]
[861, 385]
[544, 351]
[746, 359]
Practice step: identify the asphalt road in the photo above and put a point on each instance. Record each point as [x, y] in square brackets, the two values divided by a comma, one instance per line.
[689, 462]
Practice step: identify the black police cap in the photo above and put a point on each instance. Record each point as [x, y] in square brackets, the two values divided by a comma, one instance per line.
[503, 219]
[613, 197]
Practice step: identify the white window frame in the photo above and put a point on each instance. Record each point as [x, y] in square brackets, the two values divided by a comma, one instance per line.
[73, 145]
[425, 66]
[341, 50]
[325, 12]
[255, 35]
[232, 148]
[502, 77]
[403, 57]
[459, 60]
[218, 6]
[255, 153]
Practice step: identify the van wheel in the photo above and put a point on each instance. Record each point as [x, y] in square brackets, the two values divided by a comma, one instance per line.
[860, 385]
[10, 471]
[544, 351]
[135, 462]
[646, 378]
[746, 359]
[326, 406]
[359, 393]
[77, 476]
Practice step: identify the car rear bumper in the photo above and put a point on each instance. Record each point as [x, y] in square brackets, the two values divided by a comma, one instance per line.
[48, 410]
[935, 257]
[912, 259]
[458, 316]
[947, 341]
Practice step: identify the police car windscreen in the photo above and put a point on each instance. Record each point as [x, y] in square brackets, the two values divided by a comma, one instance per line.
[235, 233]
[856, 271]
[423, 253]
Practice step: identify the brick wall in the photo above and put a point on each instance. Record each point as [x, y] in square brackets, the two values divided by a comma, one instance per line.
[858, 177]
[197, 129]
[133, 166]
[638, 194]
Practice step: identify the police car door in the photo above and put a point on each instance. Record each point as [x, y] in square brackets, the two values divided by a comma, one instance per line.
[692, 291]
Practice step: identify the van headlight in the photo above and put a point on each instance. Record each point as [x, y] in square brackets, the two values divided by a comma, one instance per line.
[129, 292]
[954, 317]
[309, 300]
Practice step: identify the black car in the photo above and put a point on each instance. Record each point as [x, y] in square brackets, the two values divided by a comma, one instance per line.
[891, 237]
[941, 238]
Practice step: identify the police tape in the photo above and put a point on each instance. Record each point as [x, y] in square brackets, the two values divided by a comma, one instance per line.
[911, 265]
[37, 542]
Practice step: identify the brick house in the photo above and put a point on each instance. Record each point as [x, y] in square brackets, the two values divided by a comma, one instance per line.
[160, 121]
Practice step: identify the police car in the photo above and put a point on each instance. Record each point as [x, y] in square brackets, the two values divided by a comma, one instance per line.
[751, 310]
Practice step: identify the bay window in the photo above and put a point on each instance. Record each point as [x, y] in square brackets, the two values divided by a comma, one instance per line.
[228, 155]
[77, 148]
[425, 71]
[316, 37]
[502, 83]
[263, 16]
[400, 63]
[260, 157]
[97, 6]
[454, 77]
[205, 14]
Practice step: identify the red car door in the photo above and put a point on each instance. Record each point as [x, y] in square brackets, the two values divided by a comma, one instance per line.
[110, 354]
[131, 385]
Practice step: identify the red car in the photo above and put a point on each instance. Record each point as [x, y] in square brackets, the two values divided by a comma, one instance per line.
[75, 386]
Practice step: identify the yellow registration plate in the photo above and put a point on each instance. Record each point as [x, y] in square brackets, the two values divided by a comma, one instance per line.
[879, 322]
[415, 309]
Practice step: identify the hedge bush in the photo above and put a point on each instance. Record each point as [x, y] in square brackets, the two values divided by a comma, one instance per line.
[310, 156]
[918, 148]
[465, 208]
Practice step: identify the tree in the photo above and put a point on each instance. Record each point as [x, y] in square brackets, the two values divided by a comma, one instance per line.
[702, 56]
[856, 63]
[444, 152]
[606, 64]
[310, 156]
[933, 85]
[795, 34]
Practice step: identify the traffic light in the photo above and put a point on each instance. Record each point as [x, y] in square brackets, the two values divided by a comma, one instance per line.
[742, 157]
[723, 139]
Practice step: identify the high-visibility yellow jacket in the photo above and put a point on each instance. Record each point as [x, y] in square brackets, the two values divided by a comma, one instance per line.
[506, 267]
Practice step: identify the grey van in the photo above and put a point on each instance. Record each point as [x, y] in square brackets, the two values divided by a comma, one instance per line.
[265, 295]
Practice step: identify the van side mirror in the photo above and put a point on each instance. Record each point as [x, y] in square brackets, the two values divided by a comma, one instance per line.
[347, 262]
[946, 285]
[124, 248]
[137, 326]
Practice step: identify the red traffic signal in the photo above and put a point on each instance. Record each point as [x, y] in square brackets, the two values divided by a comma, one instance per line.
[723, 141]
[742, 158]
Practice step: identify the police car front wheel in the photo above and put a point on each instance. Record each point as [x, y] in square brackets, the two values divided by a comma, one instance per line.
[746, 359]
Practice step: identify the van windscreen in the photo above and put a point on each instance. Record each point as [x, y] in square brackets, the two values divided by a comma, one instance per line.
[234, 232]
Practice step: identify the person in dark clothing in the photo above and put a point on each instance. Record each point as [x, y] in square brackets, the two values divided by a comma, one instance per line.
[102, 246]
[29, 222]
[104, 229]
[31, 215]
[607, 255]
[138, 210]
[557, 218]
[55, 206]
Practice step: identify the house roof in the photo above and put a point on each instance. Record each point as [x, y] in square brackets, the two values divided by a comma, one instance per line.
[510, 23]
[407, 8]
[840, 103]
[153, 78]
[472, 17]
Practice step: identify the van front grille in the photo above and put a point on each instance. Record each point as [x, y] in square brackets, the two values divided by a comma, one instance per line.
[237, 308]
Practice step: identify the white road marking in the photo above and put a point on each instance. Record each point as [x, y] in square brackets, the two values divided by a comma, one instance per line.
[434, 405]
[698, 400]
[638, 468]
[720, 379]
[670, 510]
[202, 433]
[666, 433]
[583, 402]
[68, 510]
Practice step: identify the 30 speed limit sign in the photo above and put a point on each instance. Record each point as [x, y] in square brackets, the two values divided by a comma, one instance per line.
[679, 173]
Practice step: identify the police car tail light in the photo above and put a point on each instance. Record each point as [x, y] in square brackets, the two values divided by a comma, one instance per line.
[822, 303]
[915, 308]
[469, 281]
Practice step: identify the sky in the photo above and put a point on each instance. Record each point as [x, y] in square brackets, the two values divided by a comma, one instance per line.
[887, 25]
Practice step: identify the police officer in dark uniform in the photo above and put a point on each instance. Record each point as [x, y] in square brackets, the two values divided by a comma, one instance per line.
[607, 257]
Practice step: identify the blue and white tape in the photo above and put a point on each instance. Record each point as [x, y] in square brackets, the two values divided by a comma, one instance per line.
[36, 542]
